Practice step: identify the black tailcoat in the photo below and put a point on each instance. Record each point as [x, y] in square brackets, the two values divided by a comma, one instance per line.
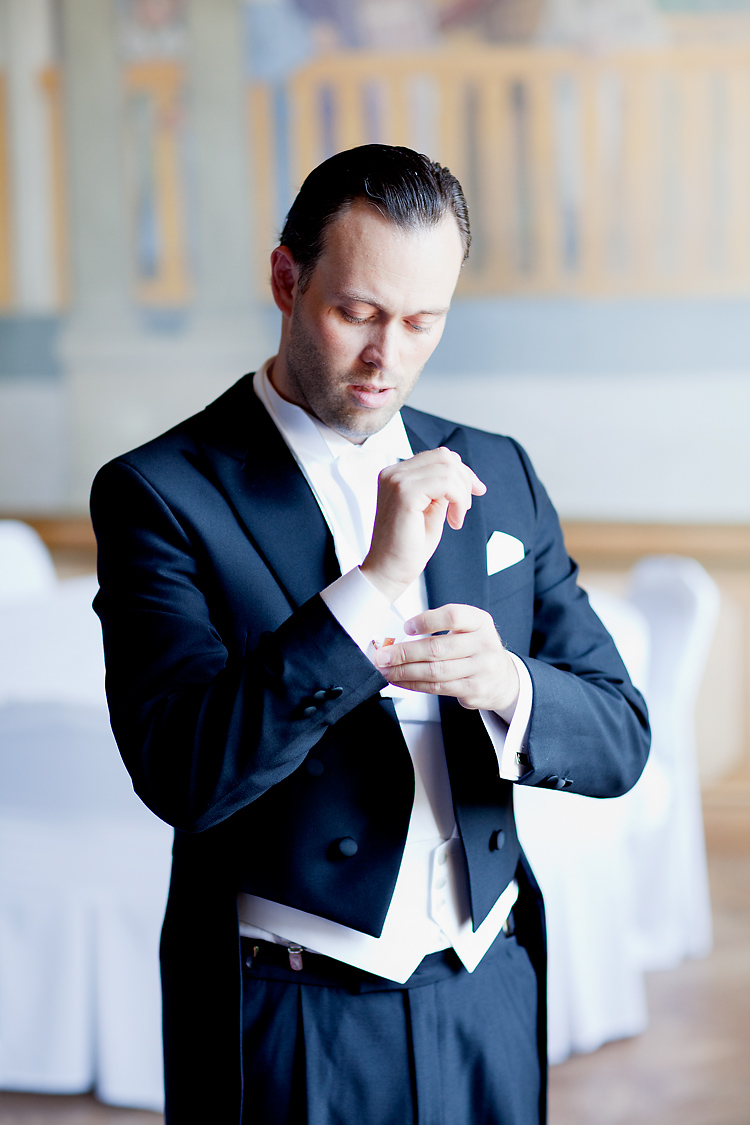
[212, 553]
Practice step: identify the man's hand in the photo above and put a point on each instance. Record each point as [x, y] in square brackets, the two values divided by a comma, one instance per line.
[469, 662]
[415, 498]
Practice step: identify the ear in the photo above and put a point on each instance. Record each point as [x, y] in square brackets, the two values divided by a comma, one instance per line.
[284, 277]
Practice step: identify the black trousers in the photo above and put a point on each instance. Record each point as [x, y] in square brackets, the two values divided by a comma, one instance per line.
[331, 1045]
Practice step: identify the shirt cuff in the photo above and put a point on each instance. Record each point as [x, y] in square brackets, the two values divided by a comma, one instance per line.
[508, 732]
[362, 610]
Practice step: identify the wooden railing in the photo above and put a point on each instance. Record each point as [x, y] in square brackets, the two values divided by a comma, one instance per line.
[611, 175]
[615, 175]
[6, 269]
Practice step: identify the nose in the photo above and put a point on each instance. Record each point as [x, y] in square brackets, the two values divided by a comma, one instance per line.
[381, 349]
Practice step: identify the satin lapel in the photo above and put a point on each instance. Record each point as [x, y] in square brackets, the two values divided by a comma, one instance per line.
[457, 572]
[270, 496]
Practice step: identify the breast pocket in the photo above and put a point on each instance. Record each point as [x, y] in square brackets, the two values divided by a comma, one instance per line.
[511, 579]
[512, 604]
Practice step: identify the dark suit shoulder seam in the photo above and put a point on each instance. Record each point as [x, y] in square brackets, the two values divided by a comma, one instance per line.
[153, 489]
[523, 457]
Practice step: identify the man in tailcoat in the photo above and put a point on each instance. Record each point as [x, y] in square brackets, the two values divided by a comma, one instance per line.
[338, 632]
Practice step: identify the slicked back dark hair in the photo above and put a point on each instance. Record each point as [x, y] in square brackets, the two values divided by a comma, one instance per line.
[405, 187]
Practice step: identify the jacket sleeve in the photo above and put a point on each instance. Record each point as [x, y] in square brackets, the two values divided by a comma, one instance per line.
[204, 730]
[588, 731]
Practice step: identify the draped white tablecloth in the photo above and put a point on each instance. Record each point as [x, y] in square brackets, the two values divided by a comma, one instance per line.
[84, 869]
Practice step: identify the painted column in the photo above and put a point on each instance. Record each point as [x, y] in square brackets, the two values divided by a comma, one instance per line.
[100, 316]
[223, 288]
[27, 24]
[101, 281]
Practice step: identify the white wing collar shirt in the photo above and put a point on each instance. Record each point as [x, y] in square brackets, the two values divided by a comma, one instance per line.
[429, 910]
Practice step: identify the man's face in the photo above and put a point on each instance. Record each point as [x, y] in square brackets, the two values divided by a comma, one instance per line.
[356, 340]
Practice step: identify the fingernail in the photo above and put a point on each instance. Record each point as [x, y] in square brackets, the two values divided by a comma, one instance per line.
[410, 628]
[382, 657]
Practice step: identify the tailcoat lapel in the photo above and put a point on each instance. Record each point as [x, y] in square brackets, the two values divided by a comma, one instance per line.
[256, 471]
[457, 572]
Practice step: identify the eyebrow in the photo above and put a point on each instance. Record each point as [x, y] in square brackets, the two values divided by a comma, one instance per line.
[364, 299]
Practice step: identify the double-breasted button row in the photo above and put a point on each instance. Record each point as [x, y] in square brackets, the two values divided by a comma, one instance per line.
[311, 704]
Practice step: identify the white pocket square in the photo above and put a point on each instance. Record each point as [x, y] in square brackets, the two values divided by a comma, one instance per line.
[503, 550]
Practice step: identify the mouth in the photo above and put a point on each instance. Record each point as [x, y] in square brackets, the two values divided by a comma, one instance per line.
[371, 396]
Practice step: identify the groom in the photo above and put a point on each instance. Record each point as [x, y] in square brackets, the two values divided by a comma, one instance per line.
[338, 632]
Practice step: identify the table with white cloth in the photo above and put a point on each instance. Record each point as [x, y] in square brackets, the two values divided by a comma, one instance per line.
[84, 868]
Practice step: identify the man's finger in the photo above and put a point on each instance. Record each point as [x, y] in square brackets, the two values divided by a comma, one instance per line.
[454, 688]
[443, 476]
[454, 618]
[478, 487]
[460, 502]
[439, 673]
[429, 651]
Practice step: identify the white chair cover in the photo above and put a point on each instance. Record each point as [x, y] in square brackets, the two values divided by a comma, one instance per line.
[681, 603]
[26, 568]
[51, 647]
[579, 851]
[624, 880]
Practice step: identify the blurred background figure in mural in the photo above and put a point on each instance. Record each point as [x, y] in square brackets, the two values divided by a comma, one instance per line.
[376, 24]
[612, 24]
[153, 28]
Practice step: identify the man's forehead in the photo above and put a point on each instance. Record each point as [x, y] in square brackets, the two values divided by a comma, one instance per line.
[361, 243]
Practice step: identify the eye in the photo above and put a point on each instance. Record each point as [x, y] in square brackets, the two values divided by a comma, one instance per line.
[353, 319]
[419, 327]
